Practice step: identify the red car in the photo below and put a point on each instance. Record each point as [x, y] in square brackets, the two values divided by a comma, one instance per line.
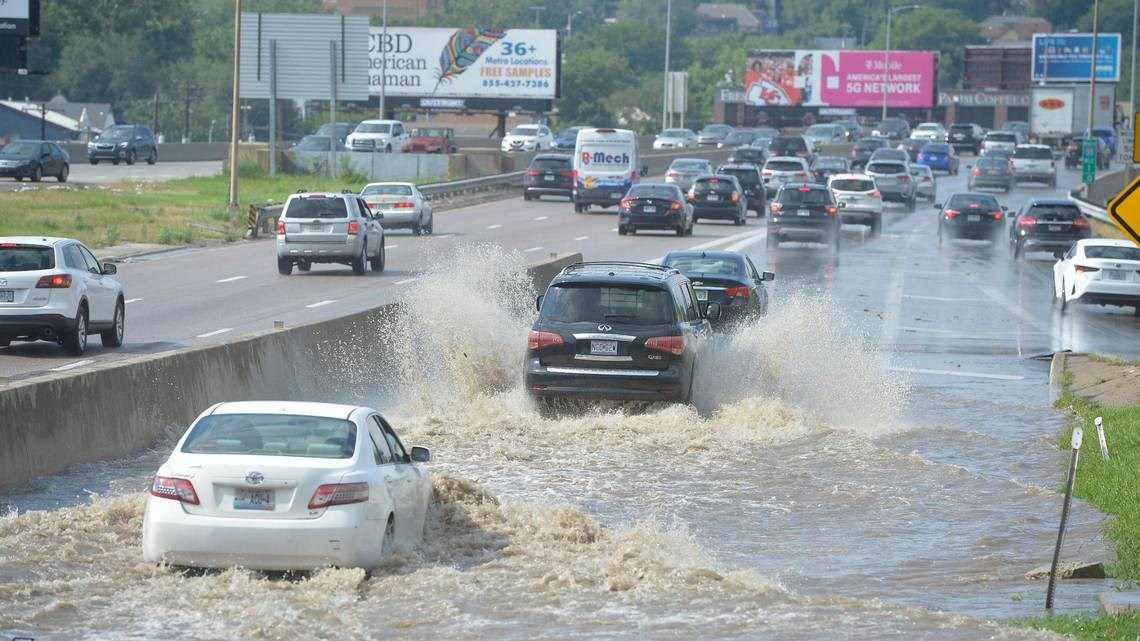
[432, 140]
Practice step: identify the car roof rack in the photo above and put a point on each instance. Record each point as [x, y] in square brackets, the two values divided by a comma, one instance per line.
[617, 265]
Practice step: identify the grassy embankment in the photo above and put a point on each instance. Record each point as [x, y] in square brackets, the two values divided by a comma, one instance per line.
[171, 213]
[1114, 488]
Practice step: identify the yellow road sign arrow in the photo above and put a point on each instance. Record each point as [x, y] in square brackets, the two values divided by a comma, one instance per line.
[1125, 210]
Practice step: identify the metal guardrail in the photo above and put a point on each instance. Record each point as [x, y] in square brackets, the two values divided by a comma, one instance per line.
[1090, 209]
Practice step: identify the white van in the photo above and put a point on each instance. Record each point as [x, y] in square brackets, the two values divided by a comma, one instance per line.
[607, 163]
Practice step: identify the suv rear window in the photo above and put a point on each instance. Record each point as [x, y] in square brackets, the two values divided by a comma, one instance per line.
[317, 208]
[966, 128]
[853, 184]
[1002, 136]
[886, 168]
[973, 201]
[551, 164]
[783, 165]
[1055, 212]
[745, 176]
[1036, 153]
[805, 196]
[1112, 252]
[573, 303]
[689, 165]
[787, 146]
[26, 258]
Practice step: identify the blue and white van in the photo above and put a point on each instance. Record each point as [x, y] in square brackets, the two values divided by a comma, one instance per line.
[607, 163]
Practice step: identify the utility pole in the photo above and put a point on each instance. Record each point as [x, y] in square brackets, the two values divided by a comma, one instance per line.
[383, 64]
[537, 10]
[1092, 74]
[234, 108]
[665, 91]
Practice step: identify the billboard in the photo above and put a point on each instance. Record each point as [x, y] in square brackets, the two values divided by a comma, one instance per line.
[299, 48]
[14, 17]
[831, 78]
[1067, 57]
[463, 63]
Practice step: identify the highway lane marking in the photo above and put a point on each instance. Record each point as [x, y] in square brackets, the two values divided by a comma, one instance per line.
[614, 229]
[216, 332]
[406, 281]
[952, 372]
[390, 246]
[747, 242]
[321, 304]
[494, 226]
[64, 368]
[531, 249]
[947, 300]
[542, 218]
[132, 300]
[927, 330]
[582, 238]
[231, 279]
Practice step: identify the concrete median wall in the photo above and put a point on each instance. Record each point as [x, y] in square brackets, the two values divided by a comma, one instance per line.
[167, 152]
[112, 410]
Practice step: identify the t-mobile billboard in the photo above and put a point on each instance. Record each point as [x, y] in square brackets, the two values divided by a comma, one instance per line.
[812, 78]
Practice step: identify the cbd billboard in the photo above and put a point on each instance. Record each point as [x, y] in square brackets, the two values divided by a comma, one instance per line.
[815, 78]
[1067, 57]
[463, 63]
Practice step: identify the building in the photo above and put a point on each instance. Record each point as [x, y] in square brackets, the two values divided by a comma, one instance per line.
[732, 18]
[999, 29]
[31, 120]
[410, 9]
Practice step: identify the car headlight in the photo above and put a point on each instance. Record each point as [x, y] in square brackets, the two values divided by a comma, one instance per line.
[124, 144]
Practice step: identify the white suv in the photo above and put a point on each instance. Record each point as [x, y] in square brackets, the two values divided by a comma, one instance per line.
[322, 227]
[862, 202]
[54, 289]
[378, 135]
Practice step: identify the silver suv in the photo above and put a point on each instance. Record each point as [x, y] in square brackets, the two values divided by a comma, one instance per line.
[1033, 163]
[894, 181]
[323, 227]
[783, 169]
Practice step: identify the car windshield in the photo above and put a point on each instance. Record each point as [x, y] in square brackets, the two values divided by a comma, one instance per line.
[272, 435]
[574, 303]
[1112, 252]
[784, 145]
[653, 191]
[673, 133]
[805, 196]
[429, 133]
[852, 184]
[829, 163]
[973, 201]
[551, 164]
[317, 207]
[314, 143]
[25, 258]
[387, 190]
[783, 165]
[705, 265]
[117, 133]
[961, 128]
[524, 131]
[689, 165]
[21, 148]
[374, 128]
[1036, 153]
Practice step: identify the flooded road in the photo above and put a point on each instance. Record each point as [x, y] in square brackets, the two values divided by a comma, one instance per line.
[874, 460]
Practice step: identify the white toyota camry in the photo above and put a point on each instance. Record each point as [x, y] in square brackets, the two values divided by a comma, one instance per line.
[1099, 271]
[282, 485]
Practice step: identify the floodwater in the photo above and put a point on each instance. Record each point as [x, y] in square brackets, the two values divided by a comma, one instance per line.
[822, 487]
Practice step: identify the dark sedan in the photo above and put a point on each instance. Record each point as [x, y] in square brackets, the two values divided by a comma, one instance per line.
[824, 167]
[314, 142]
[655, 206]
[719, 196]
[34, 159]
[549, 175]
[861, 152]
[991, 171]
[970, 215]
[748, 154]
[725, 277]
[1047, 224]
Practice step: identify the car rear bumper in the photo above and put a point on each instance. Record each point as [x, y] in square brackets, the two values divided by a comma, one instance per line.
[548, 191]
[399, 219]
[16, 172]
[318, 251]
[108, 154]
[899, 195]
[1000, 183]
[859, 217]
[976, 231]
[1042, 176]
[604, 196]
[35, 326]
[716, 211]
[599, 383]
[1055, 243]
[652, 221]
[802, 230]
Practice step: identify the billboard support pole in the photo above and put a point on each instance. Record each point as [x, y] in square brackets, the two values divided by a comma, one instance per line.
[273, 108]
[332, 108]
[665, 90]
[887, 54]
[1130, 172]
[234, 110]
[384, 61]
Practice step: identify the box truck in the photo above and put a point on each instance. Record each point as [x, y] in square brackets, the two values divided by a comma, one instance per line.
[1059, 112]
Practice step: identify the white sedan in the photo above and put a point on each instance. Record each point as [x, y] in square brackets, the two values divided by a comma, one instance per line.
[1099, 271]
[282, 485]
[676, 139]
[932, 131]
[527, 138]
[400, 206]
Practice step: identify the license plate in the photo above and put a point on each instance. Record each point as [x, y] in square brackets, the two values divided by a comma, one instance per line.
[7, 296]
[603, 347]
[973, 218]
[253, 500]
[649, 209]
[550, 178]
[702, 294]
[1054, 228]
[1115, 274]
[616, 195]
[320, 229]
[714, 197]
[803, 212]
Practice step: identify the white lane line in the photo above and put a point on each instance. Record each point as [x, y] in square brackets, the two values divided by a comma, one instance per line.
[321, 304]
[947, 300]
[216, 332]
[747, 242]
[724, 240]
[952, 372]
[531, 249]
[64, 368]
[542, 218]
[231, 279]
[493, 226]
[614, 229]
[406, 281]
[132, 300]
[926, 330]
[582, 238]
[390, 246]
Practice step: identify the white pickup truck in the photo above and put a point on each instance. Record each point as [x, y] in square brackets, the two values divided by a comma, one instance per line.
[1033, 163]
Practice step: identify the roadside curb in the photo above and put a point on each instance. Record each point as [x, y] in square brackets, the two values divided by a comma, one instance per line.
[1057, 375]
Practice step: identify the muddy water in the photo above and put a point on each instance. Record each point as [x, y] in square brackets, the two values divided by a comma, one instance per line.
[810, 493]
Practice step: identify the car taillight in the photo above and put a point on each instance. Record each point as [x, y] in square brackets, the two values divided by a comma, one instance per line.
[977, 171]
[404, 205]
[339, 494]
[1085, 269]
[903, 178]
[281, 228]
[738, 292]
[539, 340]
[673, 174]
[54, 281]
[1080, 222]
[566, 174]
[353, 228]
[800, 174]
[626, 203]
[950, 214]
[675, 345]
[714, 181]
[766, 173]
[926, 179]
[832, 210]
[675, 206]
[997, 215]
[876, 194]
[734, 197]
[532, 172]
[776, 207]
[1026, 221]
[166, 487]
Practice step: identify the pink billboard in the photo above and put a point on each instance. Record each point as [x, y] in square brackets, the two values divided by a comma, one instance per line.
[812, 78]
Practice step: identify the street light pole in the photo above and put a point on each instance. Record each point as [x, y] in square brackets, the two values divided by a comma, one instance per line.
[665, 91]
[383, 63]
[234, 109]
[887, 54]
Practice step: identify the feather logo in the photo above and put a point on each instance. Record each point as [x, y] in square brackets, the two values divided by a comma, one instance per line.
[463, 48]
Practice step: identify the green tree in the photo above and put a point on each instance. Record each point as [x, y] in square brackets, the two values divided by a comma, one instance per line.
[588, 78]
[943, 30]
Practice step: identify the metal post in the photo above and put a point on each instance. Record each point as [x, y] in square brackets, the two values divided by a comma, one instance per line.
[43, 121]
[332, 108]
[1130, 167]
[887, 65]
[1078, 433]
[1092, 74]
[665, 90]
[273, 108]
[234, 109]
[384, 62]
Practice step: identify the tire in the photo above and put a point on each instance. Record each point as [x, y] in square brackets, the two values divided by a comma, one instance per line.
[114, 161]
[304, 265]
[153, 157]
[132, 157]
[4, 342]
[622, 230]
[526, 196]
[1018, 250]
[284, 266]
[63, 173]
[387, 149]
[113, 337]
[773, 241]
[681, 230]
[37, 174]
[377, 263]
[743, 220]
[430, 228]
[75, 340]
[386, 543]
[418, 230]
[358, 262]
[910, 205]
[876, 226]
[93, 161]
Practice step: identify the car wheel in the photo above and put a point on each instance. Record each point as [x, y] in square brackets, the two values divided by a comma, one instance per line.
[132, 157]
[304, 265]
[63, 173]
[153, 157]
[75, 340]
[113, 337]
[37, 174]
[526, 196]
[680, 229]
[93, 161]
[741, 221]
[773, 240]
[429, 229]
[876, 226]
[4, 342]
[377, 263]
[358, 262]
[388, 542]
[114, 161]
[418, 229]
[388, 149]
[622, 230]
[1018, 250]
[910, 205]
[284, 266]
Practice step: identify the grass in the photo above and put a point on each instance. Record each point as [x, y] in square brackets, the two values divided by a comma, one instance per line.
[1089, 628]
[174, 212]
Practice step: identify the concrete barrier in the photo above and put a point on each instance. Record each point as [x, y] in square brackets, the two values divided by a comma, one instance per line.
[114, 409]
[167, 152]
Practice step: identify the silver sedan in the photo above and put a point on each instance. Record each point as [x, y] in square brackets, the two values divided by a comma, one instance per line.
[399, 206]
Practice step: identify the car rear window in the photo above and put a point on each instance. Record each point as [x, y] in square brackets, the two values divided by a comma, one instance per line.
[272, 435]
[1055, 212]
[1036, 153]
[742, 175]
[853, 184]
[689, 165]
[387, 190]
[1112, 252]
[936, 149]
[713, 183]
[783, 165]
[26, 258]
[573, 303]
[317, 208]
[973, 201]
[993, 162]
[787, 144]
[886, 168]
[706, 265]
[551, 164]
[864, 145]
[653, 191]
[1001, 136]
[805, 196]
[961, 128]
[829, 163]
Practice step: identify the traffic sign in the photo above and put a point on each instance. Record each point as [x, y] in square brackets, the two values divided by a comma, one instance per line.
[1135, 124]
[1125, 211]
[1088, 161]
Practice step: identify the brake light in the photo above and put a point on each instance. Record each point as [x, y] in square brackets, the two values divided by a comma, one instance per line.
[832, 210]
[675, 206]
[339, 494]
[776, 207]
[714, 181]
[404, 205]
[876, 194]
[675, 345]
[1080, 222]
[926, 179]
[532, 172]
[734, 197]
[805, 189]
[903, 177]
[673, 174]
[353, 228]
[539, 340]
[977, 171]
[997, 215]
[566, 174]
[800, 174]
[626, 203]
[281, 228]
[1084, 269]
[1026, 221]
[766, 173]
[950, 214]
[738, 292]
[54, 281]
[176, 489]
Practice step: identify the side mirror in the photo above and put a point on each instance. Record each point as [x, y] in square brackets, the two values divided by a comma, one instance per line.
[1004, 208]
[842, 205]
[712, 312]
[378, 216]
[421, 454]
[767, 276]
[110, 268]
[538, 302]
[938, 205]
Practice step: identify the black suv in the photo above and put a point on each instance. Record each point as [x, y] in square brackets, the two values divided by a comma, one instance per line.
[719, 196]
[804, 212]
[970, 215]
[753, 155]
[966, 135]
[1049, 224]
[791, 146]
[616, 330]
[123, 143]
[861, 152]
[549, 175]
[748, 175]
